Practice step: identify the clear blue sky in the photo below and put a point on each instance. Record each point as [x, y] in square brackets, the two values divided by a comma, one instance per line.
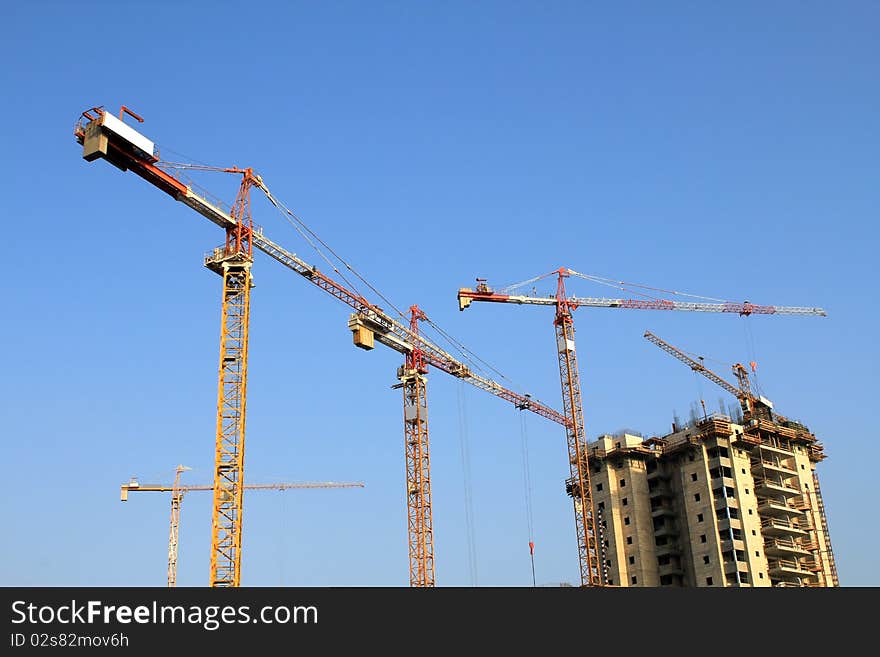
[725, 151]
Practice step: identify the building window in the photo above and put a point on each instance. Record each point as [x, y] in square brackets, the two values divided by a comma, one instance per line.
[744, 470]
[754, 533]
[744, 578]
[611, 581]
[626, 520]
[802, 467]
[730, 492]
[708, 581]
[750, 512]
[757, 553]
[660, 540]
[624, 502]
[747, 491]
[622, 483]
[632, 560]
[598, 486]
[608, 561]
[699, 517]
[702, 538]
[666, 580]
[601, 506]
[629, 540]
[693, 476]
[662, 561]
[696, 497]
[761, 575]
[634, 579]
[706, 559]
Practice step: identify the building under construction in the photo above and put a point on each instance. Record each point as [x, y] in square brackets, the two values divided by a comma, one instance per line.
[719, 502]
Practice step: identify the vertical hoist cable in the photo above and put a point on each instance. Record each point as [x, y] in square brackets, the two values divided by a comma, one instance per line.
[466, 475]
[527, 491]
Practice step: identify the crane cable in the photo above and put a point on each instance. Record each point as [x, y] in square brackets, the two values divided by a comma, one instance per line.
[510, 288]
[303, 229]
[698, 379]
[466, 353]
[311, 237]
[466, 476]
[307, 233]
[752, 349]
[282, 540]
[299, 225]
[527, 491]
[621, 285]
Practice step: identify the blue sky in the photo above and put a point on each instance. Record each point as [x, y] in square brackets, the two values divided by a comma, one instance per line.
[726, 151]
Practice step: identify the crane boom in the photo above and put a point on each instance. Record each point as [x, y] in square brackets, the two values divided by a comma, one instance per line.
[467, 295]
[178, 491]
[694, 365]
[164, 488]
[753, 406]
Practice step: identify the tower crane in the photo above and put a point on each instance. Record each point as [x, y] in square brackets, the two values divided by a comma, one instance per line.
[578, 485]
[178, 491]
[103, 136]
[753, 406]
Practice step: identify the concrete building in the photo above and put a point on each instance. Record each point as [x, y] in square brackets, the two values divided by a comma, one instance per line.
[714, 503]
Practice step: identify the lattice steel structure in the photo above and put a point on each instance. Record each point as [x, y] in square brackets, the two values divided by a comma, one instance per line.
[178, 491]
[233, 262]
[103, 136]
[420, 523]
[578, 484]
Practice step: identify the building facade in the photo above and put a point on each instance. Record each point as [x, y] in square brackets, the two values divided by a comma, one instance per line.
[715, 503]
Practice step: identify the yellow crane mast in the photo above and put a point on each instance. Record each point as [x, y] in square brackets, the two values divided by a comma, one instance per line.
[178, 491]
